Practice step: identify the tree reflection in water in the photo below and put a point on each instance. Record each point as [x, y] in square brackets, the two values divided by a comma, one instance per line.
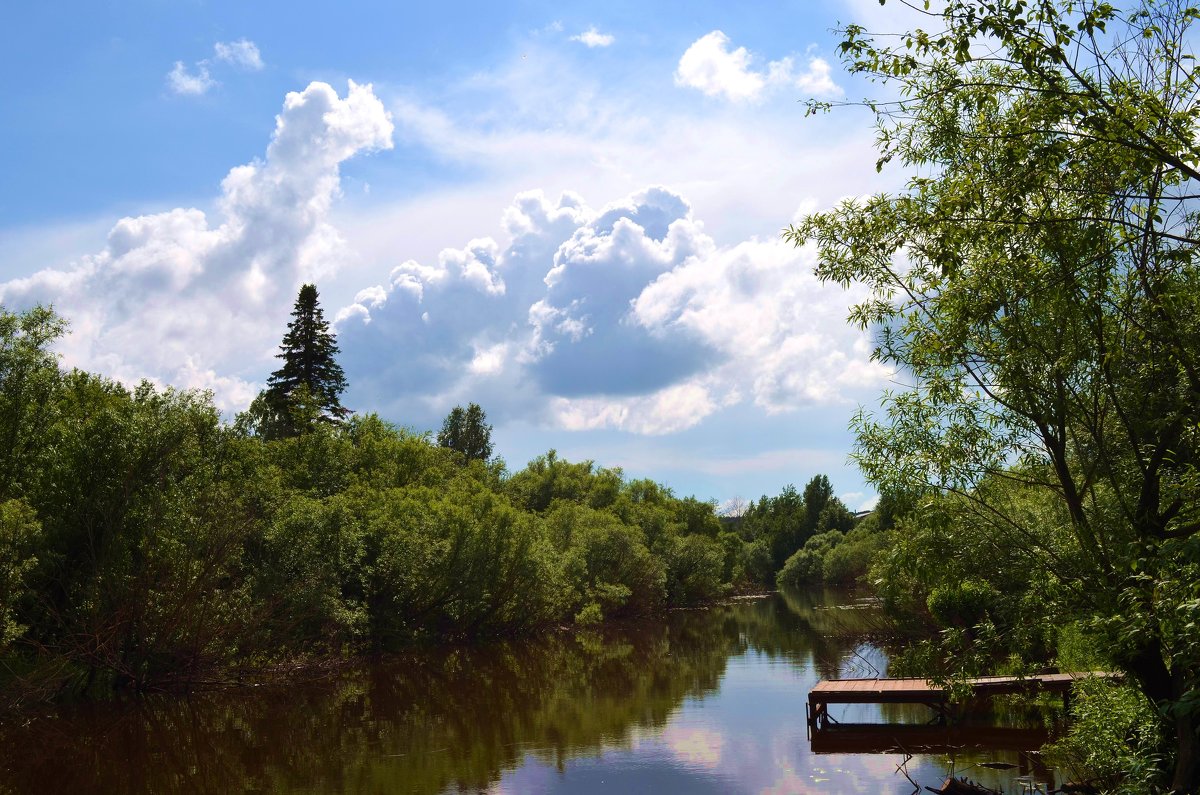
[463, 719]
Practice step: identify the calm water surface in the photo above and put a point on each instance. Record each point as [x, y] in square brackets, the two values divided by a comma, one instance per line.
[704, 701]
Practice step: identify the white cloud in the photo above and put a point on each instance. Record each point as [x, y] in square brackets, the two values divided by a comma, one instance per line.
[490, 360]
[668, 410]
[780, 334]
[243, 53]
[181, 81]
[859, 500]
[178, 299]
[546, 122]
[710, 66]
[628, 317]
[594, 38]
[817, 80]
[867, 504]
[559, 314]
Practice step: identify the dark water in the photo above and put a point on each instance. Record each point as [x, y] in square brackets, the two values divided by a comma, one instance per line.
[705, 701]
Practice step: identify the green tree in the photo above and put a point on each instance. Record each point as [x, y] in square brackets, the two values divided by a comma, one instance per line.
[19, 537]
[806, 565]
[1036, 283]
[307, 388]
[824, 511]
[788, 524]
[466, 430]
[548, 478]
[29, 378]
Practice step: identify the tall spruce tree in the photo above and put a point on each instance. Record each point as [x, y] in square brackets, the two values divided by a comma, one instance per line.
[306, 389]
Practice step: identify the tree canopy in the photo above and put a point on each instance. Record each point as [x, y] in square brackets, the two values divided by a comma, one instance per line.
[467, 431]
[1036, 289]
[145, 544]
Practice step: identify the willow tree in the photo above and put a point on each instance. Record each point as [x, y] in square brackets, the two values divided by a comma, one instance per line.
[1036, 288]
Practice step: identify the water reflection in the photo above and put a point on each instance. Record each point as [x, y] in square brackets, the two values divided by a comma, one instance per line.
[703, 701]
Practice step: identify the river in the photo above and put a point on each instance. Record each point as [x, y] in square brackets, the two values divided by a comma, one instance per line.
[700, 701]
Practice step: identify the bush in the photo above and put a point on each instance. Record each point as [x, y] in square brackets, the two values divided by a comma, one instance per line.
[589, 615]
[807, 565]
[303, 567]
[1115, 737]
[20, 533]
[140, 575]
[694, 564]
[848, 561]
[456, 562]
[754, 564]
[963, 604]
[606, 561]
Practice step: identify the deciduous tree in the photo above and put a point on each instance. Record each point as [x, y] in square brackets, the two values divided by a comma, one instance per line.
[466, 430]
[1036, 287]
[29, 378]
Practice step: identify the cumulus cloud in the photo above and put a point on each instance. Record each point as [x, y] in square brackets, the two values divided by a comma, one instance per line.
[712, 67]
[777, 331]
[180, 298]
[181, 81]
[628, 316]
[594, 38]
[242, 53]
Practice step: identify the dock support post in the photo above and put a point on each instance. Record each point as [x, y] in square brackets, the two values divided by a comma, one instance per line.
[816, 714]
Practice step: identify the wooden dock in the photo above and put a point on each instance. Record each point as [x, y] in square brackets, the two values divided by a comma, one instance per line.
[923, 691]
[885, 738]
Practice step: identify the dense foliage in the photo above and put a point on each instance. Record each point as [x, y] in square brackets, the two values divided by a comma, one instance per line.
[1036, 285]
[766, 543]
[144, 543]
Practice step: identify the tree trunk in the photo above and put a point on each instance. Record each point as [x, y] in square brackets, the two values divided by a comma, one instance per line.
[1166, 689]
[1185, 779]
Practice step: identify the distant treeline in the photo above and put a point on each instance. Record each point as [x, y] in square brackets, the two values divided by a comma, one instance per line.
[145, 543]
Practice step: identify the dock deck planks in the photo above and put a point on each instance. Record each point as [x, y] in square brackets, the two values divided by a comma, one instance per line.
[923, 691]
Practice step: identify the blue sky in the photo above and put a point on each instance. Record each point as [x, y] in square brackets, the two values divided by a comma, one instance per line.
[569, 214]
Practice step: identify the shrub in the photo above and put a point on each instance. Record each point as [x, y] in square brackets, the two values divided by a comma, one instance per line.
[1115, 736]
[20, 533]
[963, 604]
[456, 562]
[694, 564]
[606, 561]
[590, 614]
[807, 565]
[849, 560]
